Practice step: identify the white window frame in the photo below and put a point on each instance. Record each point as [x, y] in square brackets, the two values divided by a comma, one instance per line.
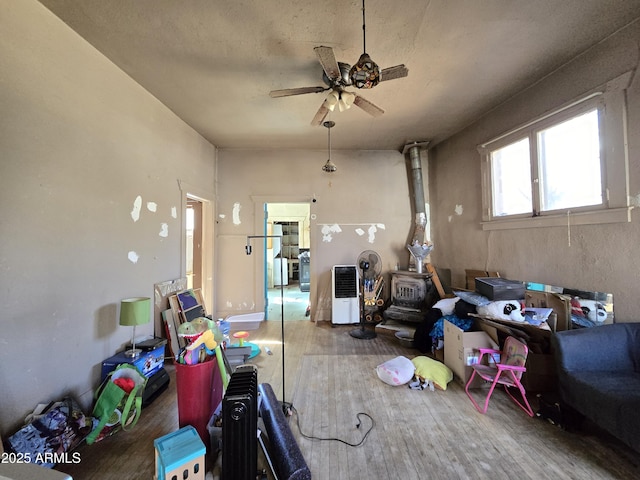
[610, 99]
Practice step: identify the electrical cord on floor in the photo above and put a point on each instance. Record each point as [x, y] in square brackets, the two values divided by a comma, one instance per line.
[334, 439]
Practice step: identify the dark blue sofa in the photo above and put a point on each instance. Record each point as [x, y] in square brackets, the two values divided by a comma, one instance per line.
[599, 376]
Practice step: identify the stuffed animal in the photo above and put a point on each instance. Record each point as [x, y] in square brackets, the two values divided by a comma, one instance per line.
[591, 309]
[597, 314]
[206, 338]
[200, 331]
[503, 310]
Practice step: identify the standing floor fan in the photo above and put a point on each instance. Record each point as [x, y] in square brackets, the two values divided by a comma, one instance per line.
[370, 265]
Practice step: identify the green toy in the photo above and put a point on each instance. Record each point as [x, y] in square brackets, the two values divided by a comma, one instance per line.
[199, 331]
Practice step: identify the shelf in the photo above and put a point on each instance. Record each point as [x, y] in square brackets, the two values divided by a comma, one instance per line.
[290, 246]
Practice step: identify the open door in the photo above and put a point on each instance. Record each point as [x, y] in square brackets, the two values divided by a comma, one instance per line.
[197, 246]
[194, 244]
[287, 263]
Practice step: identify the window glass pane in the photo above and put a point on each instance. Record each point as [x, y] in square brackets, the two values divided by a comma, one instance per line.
[569, 156]
[511, 179]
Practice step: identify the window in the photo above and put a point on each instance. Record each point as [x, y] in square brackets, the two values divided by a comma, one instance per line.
[511, 179]
[568, 166]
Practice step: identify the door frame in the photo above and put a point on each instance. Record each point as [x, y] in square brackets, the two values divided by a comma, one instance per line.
[260, 225]
[191, 193]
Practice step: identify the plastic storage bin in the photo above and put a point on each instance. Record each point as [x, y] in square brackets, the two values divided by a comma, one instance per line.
[496, 288]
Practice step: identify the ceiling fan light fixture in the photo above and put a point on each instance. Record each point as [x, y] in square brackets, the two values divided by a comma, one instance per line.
[338, 76]
[332, 100]
[346, 100]
[365, 73]
[329, 166]
[342, 99]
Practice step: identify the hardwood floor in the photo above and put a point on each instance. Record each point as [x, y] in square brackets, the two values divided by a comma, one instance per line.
[295, 302]
[330, 378]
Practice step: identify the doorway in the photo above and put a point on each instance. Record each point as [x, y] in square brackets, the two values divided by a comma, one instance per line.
[198, 246]
[193, 265]
[287, 263]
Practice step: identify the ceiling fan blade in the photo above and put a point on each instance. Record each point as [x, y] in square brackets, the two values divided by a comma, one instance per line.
[371, 108]
[327, 59]
[321, 114]
[287, 92]
[392, 73]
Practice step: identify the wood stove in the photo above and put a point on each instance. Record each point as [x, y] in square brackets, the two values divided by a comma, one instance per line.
[411, 294]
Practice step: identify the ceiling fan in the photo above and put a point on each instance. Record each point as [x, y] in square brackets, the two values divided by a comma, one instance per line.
[338, 76]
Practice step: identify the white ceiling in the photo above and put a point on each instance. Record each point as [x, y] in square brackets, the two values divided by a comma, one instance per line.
[214, 62]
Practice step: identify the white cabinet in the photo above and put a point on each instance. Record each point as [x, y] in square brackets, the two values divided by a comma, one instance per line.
[278, 274]
[290, 248]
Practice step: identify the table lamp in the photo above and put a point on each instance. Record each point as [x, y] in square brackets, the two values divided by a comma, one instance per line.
[134, 311]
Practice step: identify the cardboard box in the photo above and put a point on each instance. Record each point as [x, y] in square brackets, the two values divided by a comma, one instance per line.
[148, 362]
[541, 373]
[461, 351]
[439, 355]
[499, 288]
[561, 306]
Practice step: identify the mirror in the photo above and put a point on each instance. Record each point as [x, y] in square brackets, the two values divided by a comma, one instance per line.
[588, 309]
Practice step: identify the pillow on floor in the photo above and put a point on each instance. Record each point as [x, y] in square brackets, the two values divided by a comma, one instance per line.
[430, 369]
[397, 371]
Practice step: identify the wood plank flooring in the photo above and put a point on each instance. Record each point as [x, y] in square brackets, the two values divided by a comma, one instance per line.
[295, 302]
[330, 378]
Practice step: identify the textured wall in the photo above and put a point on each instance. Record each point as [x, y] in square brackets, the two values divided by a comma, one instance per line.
[365, 205]
[90, 206]
[589, 257]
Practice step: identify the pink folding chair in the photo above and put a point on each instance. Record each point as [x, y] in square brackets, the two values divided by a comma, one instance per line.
[506, 373]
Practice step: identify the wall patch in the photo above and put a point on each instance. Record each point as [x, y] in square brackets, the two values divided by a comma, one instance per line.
[328, 231]
[372, 233]
[236, 213]
[133, 257]
[137, 205]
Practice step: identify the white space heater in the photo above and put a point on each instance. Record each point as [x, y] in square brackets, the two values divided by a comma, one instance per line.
[345, 301]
